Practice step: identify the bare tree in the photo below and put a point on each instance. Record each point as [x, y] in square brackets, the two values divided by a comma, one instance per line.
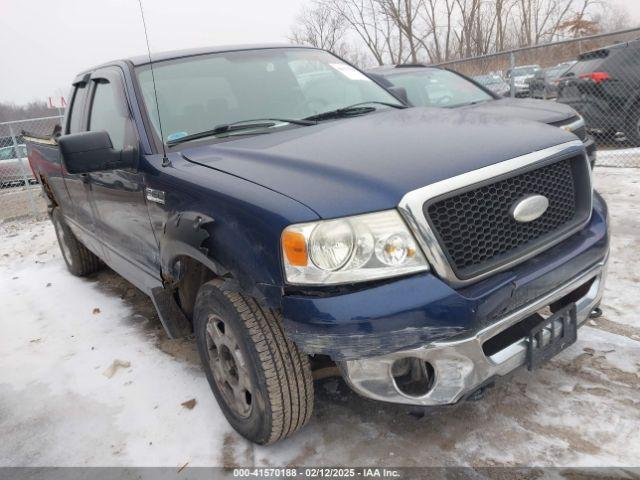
[542, 21]
[34, 109]
[405, 14]
[469, 10]
[579, 24]
[368, 23]
[612, 18]
[320, 26]
[503, 10]
[397, 31]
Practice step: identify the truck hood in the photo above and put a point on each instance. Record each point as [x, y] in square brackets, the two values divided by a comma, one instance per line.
[529, 109]
[368, 163]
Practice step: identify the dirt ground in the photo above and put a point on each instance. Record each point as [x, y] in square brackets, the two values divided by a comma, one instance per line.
[62, 336]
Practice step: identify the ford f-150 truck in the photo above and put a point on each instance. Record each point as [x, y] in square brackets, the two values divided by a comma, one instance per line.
[293, 215]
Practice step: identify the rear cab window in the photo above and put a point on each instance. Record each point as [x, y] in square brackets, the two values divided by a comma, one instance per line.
[78, 99]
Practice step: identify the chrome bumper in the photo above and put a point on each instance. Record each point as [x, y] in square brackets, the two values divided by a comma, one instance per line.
[461, 366]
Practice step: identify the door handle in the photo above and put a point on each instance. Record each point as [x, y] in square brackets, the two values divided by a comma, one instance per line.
[84, 177]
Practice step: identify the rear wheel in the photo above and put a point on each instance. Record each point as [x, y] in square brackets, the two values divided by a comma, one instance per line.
[79, 259]
[261, 380]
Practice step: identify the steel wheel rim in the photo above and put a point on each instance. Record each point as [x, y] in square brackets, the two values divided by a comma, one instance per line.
[228, 366]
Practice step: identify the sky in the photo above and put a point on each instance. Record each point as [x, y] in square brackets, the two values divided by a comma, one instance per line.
[45, 43]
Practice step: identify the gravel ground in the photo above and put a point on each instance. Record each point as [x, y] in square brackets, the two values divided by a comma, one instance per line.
[90, 379]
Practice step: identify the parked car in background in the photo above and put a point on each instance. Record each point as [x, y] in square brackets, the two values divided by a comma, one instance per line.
[495, 83]
[11, 152]
[14, 167]
[544, 84]
[604, 86]
[437, 87]
[325, 226]
[521, 76]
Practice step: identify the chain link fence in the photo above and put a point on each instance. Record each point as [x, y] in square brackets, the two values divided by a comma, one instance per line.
[20, 194]
[599, 76]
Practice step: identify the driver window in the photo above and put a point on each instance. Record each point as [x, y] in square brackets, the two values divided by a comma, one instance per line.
[109, 112]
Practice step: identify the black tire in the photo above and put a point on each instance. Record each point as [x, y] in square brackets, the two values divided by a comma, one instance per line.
[79, 259]
[271, 394]
[633, 127]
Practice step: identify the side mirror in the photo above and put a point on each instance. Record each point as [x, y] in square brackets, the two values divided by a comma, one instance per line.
[88, 152]
[400, 93]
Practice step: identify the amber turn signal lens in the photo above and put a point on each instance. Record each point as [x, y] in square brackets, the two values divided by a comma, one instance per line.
[295, 248]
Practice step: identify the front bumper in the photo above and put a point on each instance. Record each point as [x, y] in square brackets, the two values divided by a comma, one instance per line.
[460, 367]
[365, 331]
[402, 314]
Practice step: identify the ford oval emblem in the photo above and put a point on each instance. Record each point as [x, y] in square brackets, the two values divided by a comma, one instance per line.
[529, 208]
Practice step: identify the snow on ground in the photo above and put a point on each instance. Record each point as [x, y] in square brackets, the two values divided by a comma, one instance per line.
[61, 334]
[621, 188]
[618, 157]
[619, 153]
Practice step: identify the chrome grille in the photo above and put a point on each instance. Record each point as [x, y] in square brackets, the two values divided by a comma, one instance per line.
[476, 231]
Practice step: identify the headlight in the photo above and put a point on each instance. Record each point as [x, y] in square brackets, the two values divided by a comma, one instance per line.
[352, 249]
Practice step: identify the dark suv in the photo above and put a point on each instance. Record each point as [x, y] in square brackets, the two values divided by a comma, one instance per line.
[604, 86]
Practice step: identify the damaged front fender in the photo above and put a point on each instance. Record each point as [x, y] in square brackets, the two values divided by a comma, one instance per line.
[378, 320]
[186, 234]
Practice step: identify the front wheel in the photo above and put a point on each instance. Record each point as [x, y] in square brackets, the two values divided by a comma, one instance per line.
[260, 379]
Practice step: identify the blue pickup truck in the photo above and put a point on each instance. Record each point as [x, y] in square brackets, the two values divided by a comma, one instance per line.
[295, 216]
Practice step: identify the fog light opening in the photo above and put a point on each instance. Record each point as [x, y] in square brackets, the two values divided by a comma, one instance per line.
[412, 376]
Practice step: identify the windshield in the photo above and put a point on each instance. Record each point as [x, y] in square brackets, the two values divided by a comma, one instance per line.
[439, 88]
[198, 93]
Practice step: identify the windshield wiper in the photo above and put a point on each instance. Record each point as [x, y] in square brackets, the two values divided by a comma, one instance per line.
[240, 125]
[352, 110]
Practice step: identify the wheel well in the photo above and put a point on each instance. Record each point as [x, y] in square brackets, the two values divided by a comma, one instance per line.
[192, 275]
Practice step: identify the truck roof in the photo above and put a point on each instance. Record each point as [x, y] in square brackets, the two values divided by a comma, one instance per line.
[172, 54]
